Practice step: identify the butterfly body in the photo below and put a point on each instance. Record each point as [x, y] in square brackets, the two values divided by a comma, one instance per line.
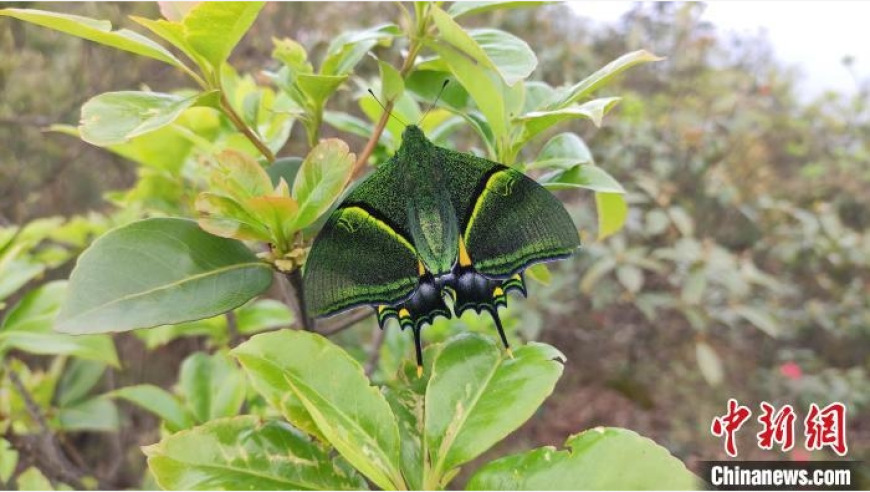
[430, 223]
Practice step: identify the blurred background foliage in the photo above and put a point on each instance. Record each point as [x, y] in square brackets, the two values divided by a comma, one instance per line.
[743, 270]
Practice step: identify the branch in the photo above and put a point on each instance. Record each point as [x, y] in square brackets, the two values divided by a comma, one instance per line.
[55, 461]
[245, 129]
[346, 322]
[233, 328]
[363, 158]
[407, 66]
[295, 278]
[375, 351]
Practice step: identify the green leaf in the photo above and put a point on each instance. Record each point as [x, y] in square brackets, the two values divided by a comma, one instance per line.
[212, 385]
[348, 123]
[537, 94]
[99, 348]
[470, 65]
[346, 50]
[243, 453]
[509, 55]
[77, 380]
[470, 8]
[285, 168]
[601, 77]
[477, 396]
[392, 84]
[762, 319]
[213, 29]
[709, 363]
[595, 273]
[96, 414]
[538, 121]
[612, 212]
[563, 151]
[35, 311]
[155, 272]
[98, 31]
[265, 314]
[15, 273]
[225, 217]
[427, 84]
[33, 479]
[540, 273]
[318, 88]
[407, 406]
[321, 179]
[8, 460]
[159, 402]
[28, 327]
[589, 176]
[631, 277]
[315, 381]
[682, 220]
[114, 118]
[603, 458]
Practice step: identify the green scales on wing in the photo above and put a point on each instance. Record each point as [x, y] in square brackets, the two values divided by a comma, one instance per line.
[429, 222]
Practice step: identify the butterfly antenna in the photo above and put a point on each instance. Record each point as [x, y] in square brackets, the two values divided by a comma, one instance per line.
[438, 97]
[419, 348]
[385, 108]
[507, 346]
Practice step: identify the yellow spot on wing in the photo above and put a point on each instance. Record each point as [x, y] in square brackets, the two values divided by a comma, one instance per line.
[421, 270]
[497, 292]
[403, 313]
[464, 259]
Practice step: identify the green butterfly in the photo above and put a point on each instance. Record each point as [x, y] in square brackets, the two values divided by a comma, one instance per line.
[432, 221]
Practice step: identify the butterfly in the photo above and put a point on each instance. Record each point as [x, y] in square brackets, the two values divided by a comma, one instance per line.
[429, 223]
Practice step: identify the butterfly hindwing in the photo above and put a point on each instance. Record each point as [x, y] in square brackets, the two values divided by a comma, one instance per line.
[508, 221]
[361, 256]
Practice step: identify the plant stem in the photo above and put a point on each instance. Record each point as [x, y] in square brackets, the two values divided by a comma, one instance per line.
[245, 129]
[375, 351]
[233, 328]
[407, 66]
[295, 278]
[50, 450]
[346, 322]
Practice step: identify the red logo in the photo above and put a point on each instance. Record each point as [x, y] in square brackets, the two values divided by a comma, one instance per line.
[778, 427]
[728, 425]
[823, 427]
[826, 427]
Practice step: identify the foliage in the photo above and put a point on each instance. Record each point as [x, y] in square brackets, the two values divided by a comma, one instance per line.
[215, 146]
[731, 240]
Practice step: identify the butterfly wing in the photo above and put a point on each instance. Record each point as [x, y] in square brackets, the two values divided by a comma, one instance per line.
[507, 220]
[362, 255]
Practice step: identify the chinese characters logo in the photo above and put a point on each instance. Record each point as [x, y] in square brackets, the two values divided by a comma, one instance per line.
[823, 427]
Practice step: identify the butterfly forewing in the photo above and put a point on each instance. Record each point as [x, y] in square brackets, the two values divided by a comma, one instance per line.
[508, 220]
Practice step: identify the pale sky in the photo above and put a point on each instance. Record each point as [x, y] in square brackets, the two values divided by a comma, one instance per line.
[812, 35]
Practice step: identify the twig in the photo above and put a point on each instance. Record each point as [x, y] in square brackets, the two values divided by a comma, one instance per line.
[407, 66]
[233, 328]
[55, 459]
[245, 129]
[363, 158]
[116, 439]
[295, 278]
[375, 351]
[346, 322]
